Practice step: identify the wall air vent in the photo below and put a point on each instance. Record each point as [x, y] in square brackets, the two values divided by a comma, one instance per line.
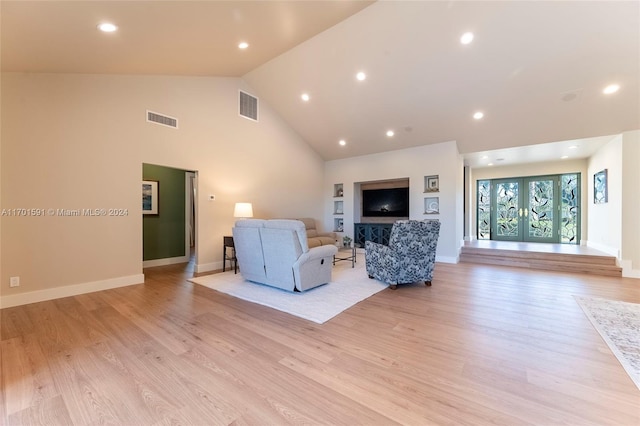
[248, 106]
[154, 117]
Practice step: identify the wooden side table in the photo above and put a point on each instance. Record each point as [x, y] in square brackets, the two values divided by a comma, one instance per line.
[229, 253]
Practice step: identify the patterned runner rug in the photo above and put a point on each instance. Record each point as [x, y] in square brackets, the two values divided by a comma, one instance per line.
[619, 325]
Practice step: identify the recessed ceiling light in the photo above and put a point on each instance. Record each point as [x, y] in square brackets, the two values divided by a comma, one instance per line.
[490, 164]
[107, 27]
[573, 147]
[612, 88]
[342, 142]
[305, 97]
[243, 45]
[484, 157]
[361, 76]
[478, 115]
[390, 133]
[466, 38]
[564, 157]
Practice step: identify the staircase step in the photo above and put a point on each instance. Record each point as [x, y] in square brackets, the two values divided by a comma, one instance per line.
[517, 254]
[574, 263]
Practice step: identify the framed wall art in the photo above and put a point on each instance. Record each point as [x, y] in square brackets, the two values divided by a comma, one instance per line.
[150, 197]
[600, 192]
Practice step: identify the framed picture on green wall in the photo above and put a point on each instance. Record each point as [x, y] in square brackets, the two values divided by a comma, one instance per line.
[150, 197]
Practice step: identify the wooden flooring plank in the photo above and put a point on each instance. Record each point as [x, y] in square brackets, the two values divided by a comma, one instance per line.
[26, 377]
[51, 412]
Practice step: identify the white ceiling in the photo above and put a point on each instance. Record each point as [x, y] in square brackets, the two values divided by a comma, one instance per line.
[422, 82]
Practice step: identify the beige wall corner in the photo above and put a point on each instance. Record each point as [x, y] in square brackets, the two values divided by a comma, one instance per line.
[73, 143]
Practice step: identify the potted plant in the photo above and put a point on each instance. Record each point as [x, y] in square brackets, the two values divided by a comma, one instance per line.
[346, 241]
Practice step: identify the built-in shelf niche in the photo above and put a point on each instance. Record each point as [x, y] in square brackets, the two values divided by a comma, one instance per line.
[431, 188]
[431, 205]
[338, 207]
[432, 183]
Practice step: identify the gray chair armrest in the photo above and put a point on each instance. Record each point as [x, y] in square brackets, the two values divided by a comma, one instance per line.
[317, 253]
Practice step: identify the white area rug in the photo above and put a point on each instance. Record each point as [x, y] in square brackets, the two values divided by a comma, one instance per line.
[347, 287]
[619, 325]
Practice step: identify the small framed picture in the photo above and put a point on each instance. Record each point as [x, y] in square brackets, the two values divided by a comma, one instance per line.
[432, 183]
[432, 205]
[600, 195]
[150, 196]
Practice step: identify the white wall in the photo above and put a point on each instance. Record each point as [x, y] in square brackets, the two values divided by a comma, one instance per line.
[605, 220]
[614, 227]
[79, 141]
[415, 163]
[630, 255]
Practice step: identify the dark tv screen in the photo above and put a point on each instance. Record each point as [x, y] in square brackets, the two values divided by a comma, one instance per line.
[385, 202]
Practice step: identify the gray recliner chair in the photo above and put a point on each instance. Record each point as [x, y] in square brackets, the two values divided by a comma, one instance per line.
[276, 253]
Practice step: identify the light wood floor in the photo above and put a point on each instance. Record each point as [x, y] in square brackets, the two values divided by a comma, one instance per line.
[483, 345]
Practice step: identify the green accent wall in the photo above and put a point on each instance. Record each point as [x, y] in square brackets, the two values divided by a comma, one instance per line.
[163, 236]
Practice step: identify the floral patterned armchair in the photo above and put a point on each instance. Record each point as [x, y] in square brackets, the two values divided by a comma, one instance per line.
[410, 255]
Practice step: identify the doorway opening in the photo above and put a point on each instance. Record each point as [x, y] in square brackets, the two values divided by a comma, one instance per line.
[544, 209]
[169, 235]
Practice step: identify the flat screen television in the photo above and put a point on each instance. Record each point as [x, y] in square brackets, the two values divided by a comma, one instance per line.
[389, 202]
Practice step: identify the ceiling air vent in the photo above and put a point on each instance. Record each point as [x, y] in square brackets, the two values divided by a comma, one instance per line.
[248, 106]
[165, 120]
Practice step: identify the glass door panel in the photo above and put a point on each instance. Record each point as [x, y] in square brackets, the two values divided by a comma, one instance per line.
[507, 201]
[483, 211]
[570, 208]
[540, 220]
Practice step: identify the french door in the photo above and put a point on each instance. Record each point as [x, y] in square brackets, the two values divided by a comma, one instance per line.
[536, 208]
[526, 209]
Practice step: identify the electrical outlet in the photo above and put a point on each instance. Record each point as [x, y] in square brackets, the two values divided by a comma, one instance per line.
[14, 282]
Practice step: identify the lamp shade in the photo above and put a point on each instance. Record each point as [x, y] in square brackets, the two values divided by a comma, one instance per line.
[243, 210]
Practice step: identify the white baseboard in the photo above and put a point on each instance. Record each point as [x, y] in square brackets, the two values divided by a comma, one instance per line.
[611, 251]
[8, 301]
[208, 267]
[628, 271]
[164, 262]
[447, 259]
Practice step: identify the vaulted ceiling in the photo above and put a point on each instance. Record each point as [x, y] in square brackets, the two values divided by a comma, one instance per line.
[536, 70]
